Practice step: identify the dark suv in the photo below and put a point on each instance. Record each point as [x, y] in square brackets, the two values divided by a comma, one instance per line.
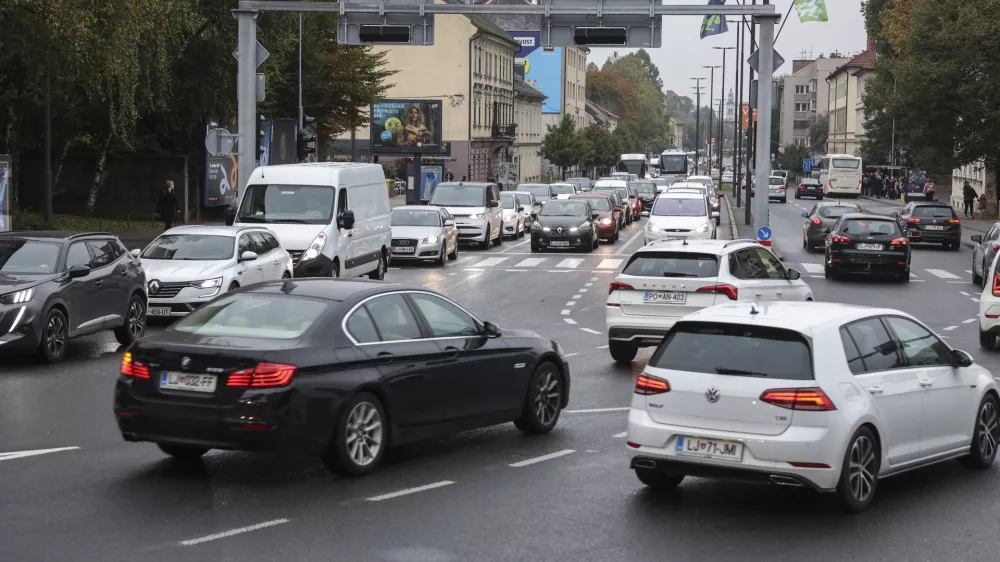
[931, 223]
[59, 285]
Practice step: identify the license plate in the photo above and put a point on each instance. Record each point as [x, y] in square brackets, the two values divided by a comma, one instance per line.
[665, 297]
[709, 448]
[158, 311]
[559, 243]
[403, 249]
[869, 246]
[934, 227]
[170, 380]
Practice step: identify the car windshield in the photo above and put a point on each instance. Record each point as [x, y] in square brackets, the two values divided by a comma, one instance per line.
[254, 315]
[837, 211]
[623, 192]
[524, 200]
[933, 212]
[846, 163]
[599, 203]
[452, 195]
[776, 181]
[562, 189]
[669, 207]
[415, 217]
[28, 257]
[539, 191]
[735, 350]
[644, 186]
[672, 264]
[190, 247]
[870, 227]
[564, 208]
[296, 204]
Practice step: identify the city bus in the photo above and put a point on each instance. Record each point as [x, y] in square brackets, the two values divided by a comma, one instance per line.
[637, 164]
[674, 166]
[840, 174]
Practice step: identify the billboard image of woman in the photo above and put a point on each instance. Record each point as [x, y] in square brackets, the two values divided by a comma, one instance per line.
[406, 126]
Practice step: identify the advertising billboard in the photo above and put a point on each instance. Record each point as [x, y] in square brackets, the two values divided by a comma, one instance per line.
[540, 68]
[406, 127]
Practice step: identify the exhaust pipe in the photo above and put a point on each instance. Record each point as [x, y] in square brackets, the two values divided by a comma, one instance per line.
[130, 437]
[644, 463]
[784, 481]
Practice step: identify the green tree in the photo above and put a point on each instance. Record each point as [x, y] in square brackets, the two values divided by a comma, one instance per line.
[604, 148]
[562, 145]
[791, 158]
[629, 86]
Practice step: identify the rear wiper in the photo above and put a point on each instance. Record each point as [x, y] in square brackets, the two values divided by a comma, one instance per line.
[679, 275]
[728, 371]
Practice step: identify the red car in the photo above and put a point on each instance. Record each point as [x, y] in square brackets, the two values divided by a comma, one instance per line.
[636, 203]
[608, 220]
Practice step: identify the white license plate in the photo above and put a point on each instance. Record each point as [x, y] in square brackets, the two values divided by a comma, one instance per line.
[171, 380]
[559, 243]
[869, 246]
[665, 297]
[158, 311]
[709, 448]
[934, 227]
[403, 249]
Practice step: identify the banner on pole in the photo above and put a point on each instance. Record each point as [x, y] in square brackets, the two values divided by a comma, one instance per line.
[714, 25]
[811, 10]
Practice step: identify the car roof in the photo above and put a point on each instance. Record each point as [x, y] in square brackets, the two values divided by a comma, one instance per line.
[611, 183]
[532, 185]
[51, 235]
[689, 185]
[868, 216]
[518, 193]
[696, 245]
[418, 208]
[804, 317]
[325, 288]
[682, 194]
[699, 178]
[931, 204]
[465, 183]
[837, 203]
[217, 230]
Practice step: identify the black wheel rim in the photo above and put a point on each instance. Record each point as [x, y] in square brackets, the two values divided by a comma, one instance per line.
[136, 319]
[861, 469]
[989, 430]
[55, 335]
[547, 397]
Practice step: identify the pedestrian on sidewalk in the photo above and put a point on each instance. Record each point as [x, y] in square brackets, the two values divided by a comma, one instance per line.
[982, 205]
[167, 206]
[969, 195]
[929, 190]
[448, 176]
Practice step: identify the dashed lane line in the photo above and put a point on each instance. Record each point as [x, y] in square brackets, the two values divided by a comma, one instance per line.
[942, 274]
[964, 293]
[233, 532]
[610, 264]
[813, 267]
[950, 328]
[590, 331]
[23, 454]
[569, 321]
[620, 435]
[568, 355]
[543, 458]
[577, 297]
[969, 321]
[409, 491]
[564, 312]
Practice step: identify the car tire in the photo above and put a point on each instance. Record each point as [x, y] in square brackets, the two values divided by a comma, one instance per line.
[441, 258]
[183, 452]
[977, 279]
[987, 340]
[983, 450]
[859, 472]
[904, 277]
[797, 196]
[784, 200]
[135, 322]
[379, 273]
[286, 275]
[805, 245]
[828, 273]
[363, 421]
[622, 352]
[232, 287]
[499, 240]
[55, 336]
[535, 249]
[454, 255]
[485, 244]
[543, 404]
[658, 480]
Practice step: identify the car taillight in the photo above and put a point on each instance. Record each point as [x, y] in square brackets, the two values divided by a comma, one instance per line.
[615, 285]
[913, 220]
[802, 187]
[996, 284]
[901, 241]
[954, 221]
[648, 385]
[817, 222]
[840, 239]
[727, 290]
[784, 187]
[264, 375]
[133, 368]
[808, 399]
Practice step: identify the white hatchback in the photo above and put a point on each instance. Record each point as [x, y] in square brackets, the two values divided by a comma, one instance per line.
[685, 214]
[828, 396]
[665, 281]
[989, 306]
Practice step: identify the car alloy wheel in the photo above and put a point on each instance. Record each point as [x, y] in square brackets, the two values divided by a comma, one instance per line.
[543, 404]
[55, 336]
[547, 398]
[136, 322]
[379, 273]
[988, 430]
[364, 434]
[862, 468]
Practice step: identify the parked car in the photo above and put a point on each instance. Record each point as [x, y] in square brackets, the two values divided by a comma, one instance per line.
[820, 220]
[931, 223]
[55, 286]
[476, 209]
[425, 233]
[986, 249]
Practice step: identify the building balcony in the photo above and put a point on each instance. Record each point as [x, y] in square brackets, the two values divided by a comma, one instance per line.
[504, 131]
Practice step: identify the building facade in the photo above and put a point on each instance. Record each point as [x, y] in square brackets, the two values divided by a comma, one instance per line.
[845, 86]
[528, 118]
[574, 89]
[805, 98]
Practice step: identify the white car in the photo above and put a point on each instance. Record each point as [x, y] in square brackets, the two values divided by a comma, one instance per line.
[827, 396]
[989, 306]
[476, 208]
[713, 198]
[703, 180]
[679, 215]
[727, 177]
[665, 281]
[563, 190]
[188, 266]
[515, 214]
[423, 232]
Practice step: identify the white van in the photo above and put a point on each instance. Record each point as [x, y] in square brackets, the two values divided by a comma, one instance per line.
[333, 218]
[476, 207]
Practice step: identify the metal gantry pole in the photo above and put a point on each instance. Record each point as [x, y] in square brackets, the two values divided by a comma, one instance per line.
[751, 129]
[246, 95]
[697, 123]
[301, 112]
[765, 94]
[711, 115]
[722, 113]
[738, 137]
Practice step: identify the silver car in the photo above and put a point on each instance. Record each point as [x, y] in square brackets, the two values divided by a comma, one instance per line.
[425, 233]
[515, 214]
[982, 255]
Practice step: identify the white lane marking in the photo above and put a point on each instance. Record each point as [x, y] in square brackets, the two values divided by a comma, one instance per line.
[583, 290]
[577, 297]
[22, 454]
[542, 458]
[564, 312]
[818, 276]
[969, 321]
[969, 271]
[530, 262]
[942, 274]
[605, 271]
[950, 328]
[627, 244]
[452, 273]
[590, 331]
[474, 274]
[571, 303]
[569, 321]
[409, 491]
[918, 280]
[974, 299]
[570, 263]
[518, 245]
[517, 270]
[490, 262]
[958, 282]
[813, 267]
[603, 347]
[589, 284]
[596, 410]
[620, 435]
[610, 264]
[232, 532]
[595, 278]
[473, 270]
[913, 275]
[964, 293]
[568, 355]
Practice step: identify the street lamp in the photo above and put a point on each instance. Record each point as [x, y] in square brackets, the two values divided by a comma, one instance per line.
[722, 115]
[711, 114]
[697, 124]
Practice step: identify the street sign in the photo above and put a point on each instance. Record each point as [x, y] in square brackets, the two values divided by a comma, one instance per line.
[764, 236]
[754, 61]
[260, 83]
[262, 54]
[219, 142]
[807, 165]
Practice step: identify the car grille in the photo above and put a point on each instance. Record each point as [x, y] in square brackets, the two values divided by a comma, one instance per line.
[295, 257]
[404, 242]
[676, 230]
[168, 290]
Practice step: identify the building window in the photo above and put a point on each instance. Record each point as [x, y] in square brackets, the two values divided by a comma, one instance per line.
[802, 89]
[812, 105]
[801, 107]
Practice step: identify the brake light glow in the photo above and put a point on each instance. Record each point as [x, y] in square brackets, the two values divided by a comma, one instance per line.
[808, 399]
[728, 290]
[954, 221]
[132, 368]
[901, 241]
[912, 220]
[817, 222]
[264, 375]
[615, 285]
[840, 239]
[784, 187]
[996, 284]
[648, 385]
[809, 465]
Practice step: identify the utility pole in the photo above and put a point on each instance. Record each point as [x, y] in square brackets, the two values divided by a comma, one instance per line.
[697, 121]
[301, 112]
[711, 114]
[738, 125]
[765, 96]
[722, 113]
[752, 126]
[48, 142]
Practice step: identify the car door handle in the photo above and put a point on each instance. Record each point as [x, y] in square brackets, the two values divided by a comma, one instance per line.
[276, 262]
[779, 293]
[875, 390]
[926, 383]
[451, 351]
[385, 357]
[99, 282]
[260, 268]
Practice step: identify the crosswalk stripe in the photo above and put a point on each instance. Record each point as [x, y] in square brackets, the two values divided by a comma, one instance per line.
[490, 262]
[570, 263]
[531, 262]
[942, 274]
[913, 275]
[813, 267]
[609, 264]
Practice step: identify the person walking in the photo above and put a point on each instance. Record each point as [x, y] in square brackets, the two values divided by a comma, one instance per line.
[167, 206]
[969, 195]
[448, 176]
[929, 190]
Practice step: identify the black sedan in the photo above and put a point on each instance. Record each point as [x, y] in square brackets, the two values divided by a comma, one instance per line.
[931, 223]
[566, 223]
[809, 187]
[337, 369]
[60, 285]
[647, 193]
[863, 243]
[820, 219]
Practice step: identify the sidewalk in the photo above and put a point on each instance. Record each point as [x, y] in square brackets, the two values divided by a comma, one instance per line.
[740, 231]
[970, 227]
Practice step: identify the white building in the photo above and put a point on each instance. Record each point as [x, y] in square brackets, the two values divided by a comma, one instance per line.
[805, 96]
[530, 130]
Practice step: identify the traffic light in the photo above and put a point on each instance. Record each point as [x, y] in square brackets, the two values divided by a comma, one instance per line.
[306, 142]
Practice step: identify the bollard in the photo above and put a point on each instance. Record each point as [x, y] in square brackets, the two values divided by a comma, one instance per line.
[100, 224]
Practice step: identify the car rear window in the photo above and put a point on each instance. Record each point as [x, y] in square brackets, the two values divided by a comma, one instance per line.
[933, 212]
[254, 315]
[673, 264]
[811, 182]
[865, 227]
[669, 207]
[776, 181]
[836, 211]
[735, 350]
[536, 190]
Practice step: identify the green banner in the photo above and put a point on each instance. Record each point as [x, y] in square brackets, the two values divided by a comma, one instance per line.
[811, 10]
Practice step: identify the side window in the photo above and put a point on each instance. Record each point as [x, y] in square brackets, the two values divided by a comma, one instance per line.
[746, 264]
[342, 201]
[854, 361]
[445, 319]
[393, 318]
[122, 250]
[919, 345]
[78, 255]
[271, 240]
[246, 245]
[104, 253]
[773, 267]
[878, 351]
[361, 327]
[992, 234]
[258, 241]
[812, 212]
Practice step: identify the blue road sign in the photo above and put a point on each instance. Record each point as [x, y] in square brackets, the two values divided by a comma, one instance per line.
[763, 233]
[807, 165]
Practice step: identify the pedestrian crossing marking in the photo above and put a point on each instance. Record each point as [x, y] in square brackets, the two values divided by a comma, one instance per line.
[942, 274]
[813, 267]
[491, 262]
[531, 262]
[570, 263]
[610, 264]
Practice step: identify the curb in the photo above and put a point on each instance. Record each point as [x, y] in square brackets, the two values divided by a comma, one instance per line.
[732, 220]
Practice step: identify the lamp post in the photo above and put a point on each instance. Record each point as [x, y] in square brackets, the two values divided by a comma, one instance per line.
[722, 114]
[711, 113]
[697, 123]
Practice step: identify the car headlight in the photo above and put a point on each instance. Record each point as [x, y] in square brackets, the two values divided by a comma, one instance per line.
[20, 297]
[605, 221]
[207, 284]
[584, 227]
[653, 228]
[702, 228]
[315, 248]
[429, 240]
[478, 216]
[546, 229]
[536, 226]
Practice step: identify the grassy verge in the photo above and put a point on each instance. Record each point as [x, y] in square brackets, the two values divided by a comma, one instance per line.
[36, 221]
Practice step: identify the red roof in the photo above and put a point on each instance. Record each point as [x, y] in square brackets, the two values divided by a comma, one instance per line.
[864, 61]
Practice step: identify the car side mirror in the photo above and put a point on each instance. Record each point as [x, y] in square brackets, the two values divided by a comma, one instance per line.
[248, 256]
[230, 216]
[494, 203]
[805, 214]
[618, 208]
[136, 252]
[79, 271]
[491, 330]
[521, 209]
[960, 358]
[894, 215]
[794, 274]
[346, 220]
[978, 238]
[449, 222]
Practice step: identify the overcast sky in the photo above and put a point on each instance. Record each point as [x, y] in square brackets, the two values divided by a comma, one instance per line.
[683, 53]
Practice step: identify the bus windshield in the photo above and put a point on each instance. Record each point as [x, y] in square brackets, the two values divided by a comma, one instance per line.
[676, 164]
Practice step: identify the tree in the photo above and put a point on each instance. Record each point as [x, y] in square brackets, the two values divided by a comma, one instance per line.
[604, 150]
[819, 132]
[562, 145]
[630, 86]
[791, 158]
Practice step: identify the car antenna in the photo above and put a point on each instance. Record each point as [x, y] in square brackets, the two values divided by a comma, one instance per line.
[685, 242]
